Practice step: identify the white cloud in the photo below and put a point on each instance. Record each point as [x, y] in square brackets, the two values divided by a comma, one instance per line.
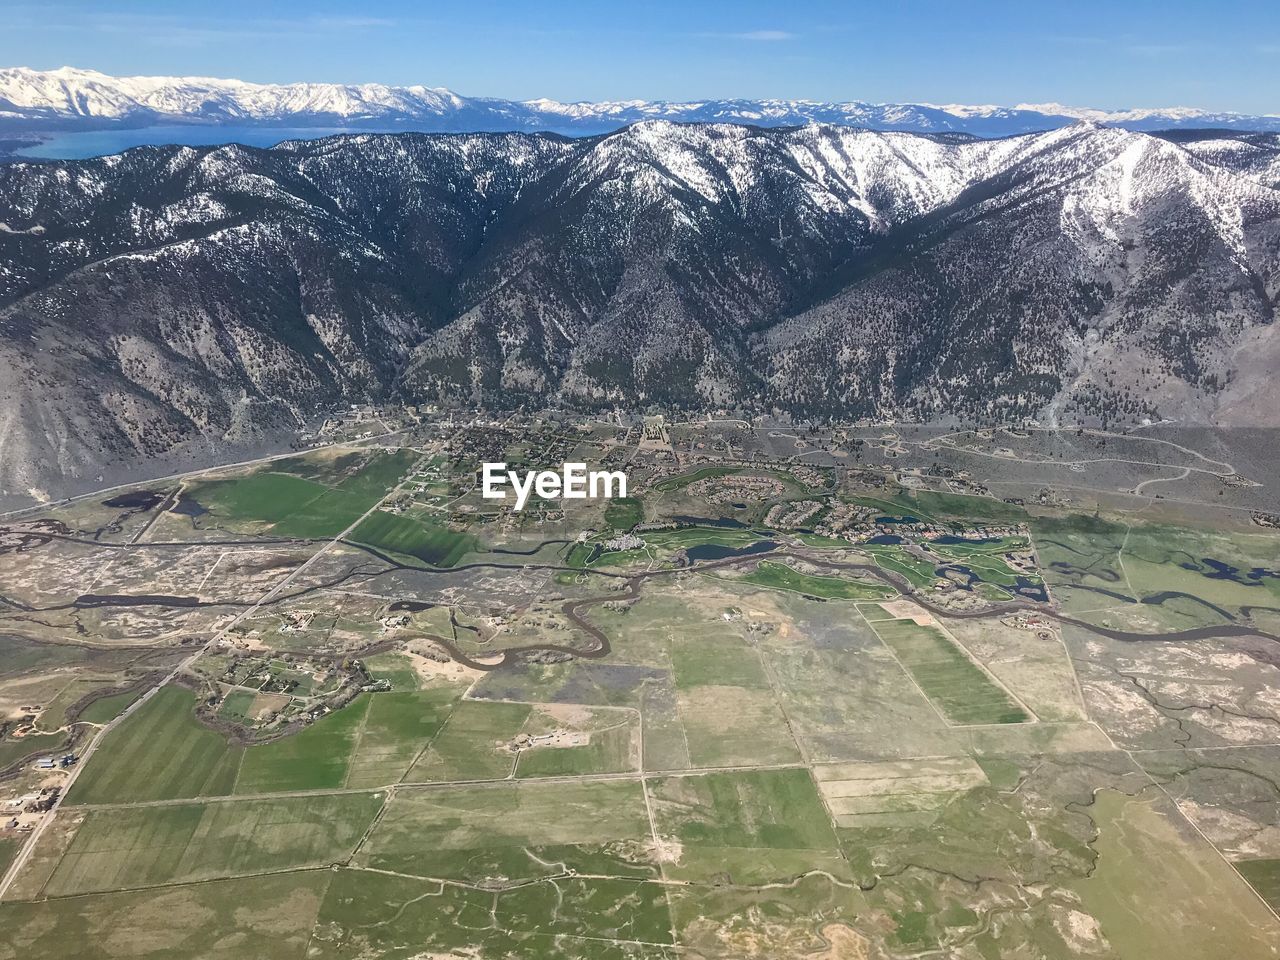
[1156, 49]
[351, 23]
[767, 35]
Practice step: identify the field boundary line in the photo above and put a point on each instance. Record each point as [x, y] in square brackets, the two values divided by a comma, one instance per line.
[24, 855]
[1191, 823]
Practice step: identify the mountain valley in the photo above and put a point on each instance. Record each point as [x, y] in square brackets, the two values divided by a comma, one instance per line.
[172, 294]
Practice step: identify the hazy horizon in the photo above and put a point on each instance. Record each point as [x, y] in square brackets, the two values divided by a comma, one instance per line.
[1094, 55]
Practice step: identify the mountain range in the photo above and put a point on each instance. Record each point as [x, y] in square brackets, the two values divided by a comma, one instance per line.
[171, 296]
[71, 99]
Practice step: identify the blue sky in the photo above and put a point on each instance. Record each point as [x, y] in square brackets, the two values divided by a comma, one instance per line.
[1223, 55]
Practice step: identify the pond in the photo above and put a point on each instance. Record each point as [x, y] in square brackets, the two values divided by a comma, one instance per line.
[716, 551]
[134, 500]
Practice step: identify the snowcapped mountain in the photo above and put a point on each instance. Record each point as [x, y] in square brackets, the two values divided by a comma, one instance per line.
[84, 99]
[174, 295]
[86, 95]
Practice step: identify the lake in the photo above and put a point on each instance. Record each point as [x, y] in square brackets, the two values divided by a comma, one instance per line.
[96, 143]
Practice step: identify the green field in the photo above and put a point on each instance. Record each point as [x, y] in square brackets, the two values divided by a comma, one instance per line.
[609, 751]
[727, 714]
[932, 505]
[1080, 551]
[264, 918]
[106, 709]
[1263, 876]
[266, 496]
[369, 743]
[1159, 895]
[163, 752]
[585, 555]
[19, 655]
[779, 576]
[9, 848]
[159, 753]
[295, 506]
[693, 536]
[961, 506]
[54, 714]
[578, 555]
[396, 727]
[1228, 571]
[723, 661]
[393, 668]
[429, 542]
[623, 513]
[316, 757]
[237, 704]
[958, 687]
[128, 847]
[383, 471]
[1199, 577]
[733, 726]
[471, 743]
[753, 826]
[524, 828]
[918, 572]
[324, 517]
[290, 505]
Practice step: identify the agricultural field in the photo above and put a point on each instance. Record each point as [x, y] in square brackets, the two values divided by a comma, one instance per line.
[266, 917]
[336, 705]
[1133, 837]
[960, 688]
[422, 540]
[751, 826]
[472, 745]
[125, 847]
[503, 832]
[298, 497]
[163, 754]
[1264, 877]
[781, 577]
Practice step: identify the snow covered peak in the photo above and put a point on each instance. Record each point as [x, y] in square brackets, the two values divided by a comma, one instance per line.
[75, 98]
[69, 93]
